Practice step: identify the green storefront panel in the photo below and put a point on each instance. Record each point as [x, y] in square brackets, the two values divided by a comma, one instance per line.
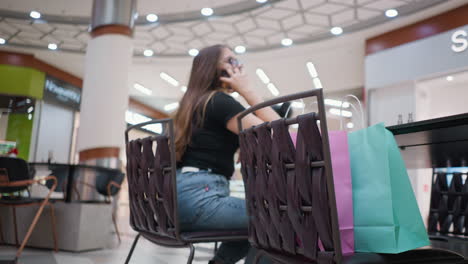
[21, 81]
[20, 130]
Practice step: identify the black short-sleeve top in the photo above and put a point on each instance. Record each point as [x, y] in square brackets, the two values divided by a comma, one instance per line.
[212, 145]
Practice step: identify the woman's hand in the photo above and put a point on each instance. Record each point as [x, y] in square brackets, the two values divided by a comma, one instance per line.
[237, 80]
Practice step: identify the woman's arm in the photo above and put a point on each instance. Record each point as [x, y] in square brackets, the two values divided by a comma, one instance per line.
[266, 113]
[239, 82]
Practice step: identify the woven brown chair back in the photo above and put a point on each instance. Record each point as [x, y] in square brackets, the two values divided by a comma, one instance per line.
[151, 174]
[289, 190]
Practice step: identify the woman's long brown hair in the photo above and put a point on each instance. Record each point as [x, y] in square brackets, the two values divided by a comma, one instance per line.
[203, 83]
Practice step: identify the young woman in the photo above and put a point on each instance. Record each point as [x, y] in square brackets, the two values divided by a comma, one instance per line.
[206, 140]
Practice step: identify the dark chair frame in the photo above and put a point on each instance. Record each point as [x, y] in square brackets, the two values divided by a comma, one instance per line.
[42, 203]
[178, 239]
[282, 255]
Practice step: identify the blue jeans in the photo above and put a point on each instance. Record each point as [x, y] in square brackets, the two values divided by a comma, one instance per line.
[204, 204]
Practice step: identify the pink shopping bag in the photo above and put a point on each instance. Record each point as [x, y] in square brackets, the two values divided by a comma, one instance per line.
[343, 187]
[341, 166]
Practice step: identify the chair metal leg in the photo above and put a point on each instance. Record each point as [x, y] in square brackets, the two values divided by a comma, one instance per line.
[135, 241]
[54, 228]
[114, 220]
[31, 228]
[216, 248]
[15, 226]
[192, 254]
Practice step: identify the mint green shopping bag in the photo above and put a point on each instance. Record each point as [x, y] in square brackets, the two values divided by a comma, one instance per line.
[386, 214]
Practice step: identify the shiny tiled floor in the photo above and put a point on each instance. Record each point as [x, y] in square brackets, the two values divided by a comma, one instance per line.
[145, 252]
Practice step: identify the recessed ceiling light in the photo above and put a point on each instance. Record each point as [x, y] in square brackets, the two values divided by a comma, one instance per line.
[183, 88]
[312, 71]
[2, 41]
[52, 46]
[286, 42]
[317, 83]
[336, 31]
[172, 106]
[449, 78]
[391, 13]
[339, 112]
[35, 14]
[152, 17]
[262, 1]
[142, 89]
[169, 79]
[193, 52]
[148, 53]
[206, 11]
[240, 49]
[350, 125]
[262, 75]
[274, 91]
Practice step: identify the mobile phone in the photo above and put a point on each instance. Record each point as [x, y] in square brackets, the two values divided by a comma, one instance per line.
[224, 73]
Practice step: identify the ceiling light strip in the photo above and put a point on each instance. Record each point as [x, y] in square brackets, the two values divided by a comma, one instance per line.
[171, 106]
[169, 79]
[262, 75]
[142, 89]
[274, 91]
[338, 112]
[336, 103]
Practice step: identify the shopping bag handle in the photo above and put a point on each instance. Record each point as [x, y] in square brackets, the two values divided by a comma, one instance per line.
[360, 111]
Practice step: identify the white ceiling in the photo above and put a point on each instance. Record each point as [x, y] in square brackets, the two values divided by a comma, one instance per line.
[339, 62]
[261, 27]
[169, 7]
[52, 7]
[83, 7]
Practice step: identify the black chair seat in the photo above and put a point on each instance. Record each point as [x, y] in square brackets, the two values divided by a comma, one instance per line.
[196, 237]
[162, 240]
[21, 201]
[419, 256]
[214, 235]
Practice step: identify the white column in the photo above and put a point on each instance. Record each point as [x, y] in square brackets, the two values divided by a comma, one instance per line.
[105, 88]
[105, 92]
